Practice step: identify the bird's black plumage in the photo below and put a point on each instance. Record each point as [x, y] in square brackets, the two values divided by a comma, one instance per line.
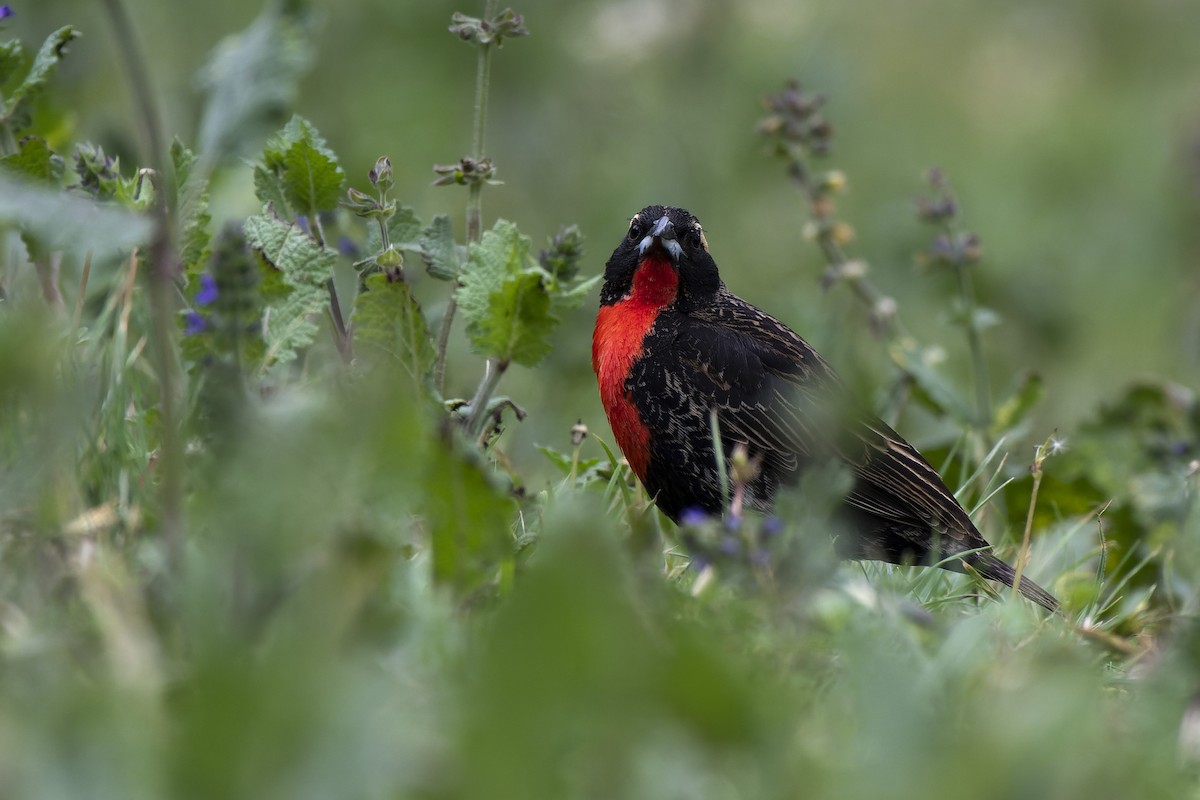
[708, 349]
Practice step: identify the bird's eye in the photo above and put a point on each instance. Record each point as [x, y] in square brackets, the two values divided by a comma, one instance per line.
[635, 231]
[694, 238]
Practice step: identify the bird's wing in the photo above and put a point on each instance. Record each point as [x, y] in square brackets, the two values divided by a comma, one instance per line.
[780, 397]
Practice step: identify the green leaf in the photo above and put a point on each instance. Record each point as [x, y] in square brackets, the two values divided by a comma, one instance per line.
[388, 320]
[12, 61]
[306, 268]
[268, 188]
[439, 250]
[404, 232]
[306, 169]
[194, 219]
[467, 517]
[35, 160]
[573, 297]
[506, 301]
[563, 462]
[251, 77]
[16, 111]
[519, 320]
[70, 222]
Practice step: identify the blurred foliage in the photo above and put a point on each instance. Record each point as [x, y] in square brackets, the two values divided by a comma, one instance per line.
[387, 592]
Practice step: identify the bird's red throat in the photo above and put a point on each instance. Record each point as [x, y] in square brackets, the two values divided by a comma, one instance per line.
[617, 341]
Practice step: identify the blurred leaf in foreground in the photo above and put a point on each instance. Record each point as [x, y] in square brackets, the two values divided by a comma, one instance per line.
[70, 222]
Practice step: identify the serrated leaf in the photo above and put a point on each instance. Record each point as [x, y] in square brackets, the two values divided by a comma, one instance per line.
[183, 160]
[12, 61]
[20, 101]
[388, 320]
[302, 261]
[195, 239]
[268, 188]
[404, 232]
[70, 222]
[251, 77]
[502, 252]
[505, 301]
[573, 297]
[306, 169]
[519, 321]
[305, 267]
[439, 250]
[35, 160]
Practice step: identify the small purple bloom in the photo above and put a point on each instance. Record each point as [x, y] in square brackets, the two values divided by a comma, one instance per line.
[6, 11]
[347, 247]
[733, 524]
[693, 517]
[194, 323]
[772, 526]
[731, 545]
[302, 221]
[208, 290]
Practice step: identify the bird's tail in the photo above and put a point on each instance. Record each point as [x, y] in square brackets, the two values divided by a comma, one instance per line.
[994, 569]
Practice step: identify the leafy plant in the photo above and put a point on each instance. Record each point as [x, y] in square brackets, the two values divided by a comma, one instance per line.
[251, 545]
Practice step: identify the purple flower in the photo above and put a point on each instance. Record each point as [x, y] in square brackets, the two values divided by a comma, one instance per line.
[731, 545]
[302, 222]
[347, 247]
[194, 323]
[772, 526]
[733, 524]
[693, 517]
[6, 11]
[208, 290]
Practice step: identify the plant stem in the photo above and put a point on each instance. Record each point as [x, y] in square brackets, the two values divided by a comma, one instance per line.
[719, 455]
[339, 323]
[483, 79]
[443, 342]
[139, 78]
[493, 370]
[83, 282]
[835, 255]
[1023, 554]
[983, 389]
[161, 277]
[48, 270]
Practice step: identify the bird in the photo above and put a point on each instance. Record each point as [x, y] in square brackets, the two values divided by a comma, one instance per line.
[673, 348]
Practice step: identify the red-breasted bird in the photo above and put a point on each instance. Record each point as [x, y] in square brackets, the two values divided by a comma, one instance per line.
[672, 344]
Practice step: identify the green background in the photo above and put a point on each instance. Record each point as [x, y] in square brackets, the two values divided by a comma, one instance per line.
[1071, 132]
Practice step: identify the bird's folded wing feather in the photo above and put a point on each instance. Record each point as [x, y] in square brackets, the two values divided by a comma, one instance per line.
[775, 392]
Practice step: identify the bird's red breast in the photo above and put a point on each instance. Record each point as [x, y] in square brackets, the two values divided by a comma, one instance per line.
[621, 328]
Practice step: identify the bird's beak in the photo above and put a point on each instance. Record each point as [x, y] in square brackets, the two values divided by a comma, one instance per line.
[662, 235]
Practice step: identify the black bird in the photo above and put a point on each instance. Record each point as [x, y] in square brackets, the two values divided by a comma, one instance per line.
[672, 344]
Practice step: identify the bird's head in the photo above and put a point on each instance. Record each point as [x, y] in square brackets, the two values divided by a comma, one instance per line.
[662, 240]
